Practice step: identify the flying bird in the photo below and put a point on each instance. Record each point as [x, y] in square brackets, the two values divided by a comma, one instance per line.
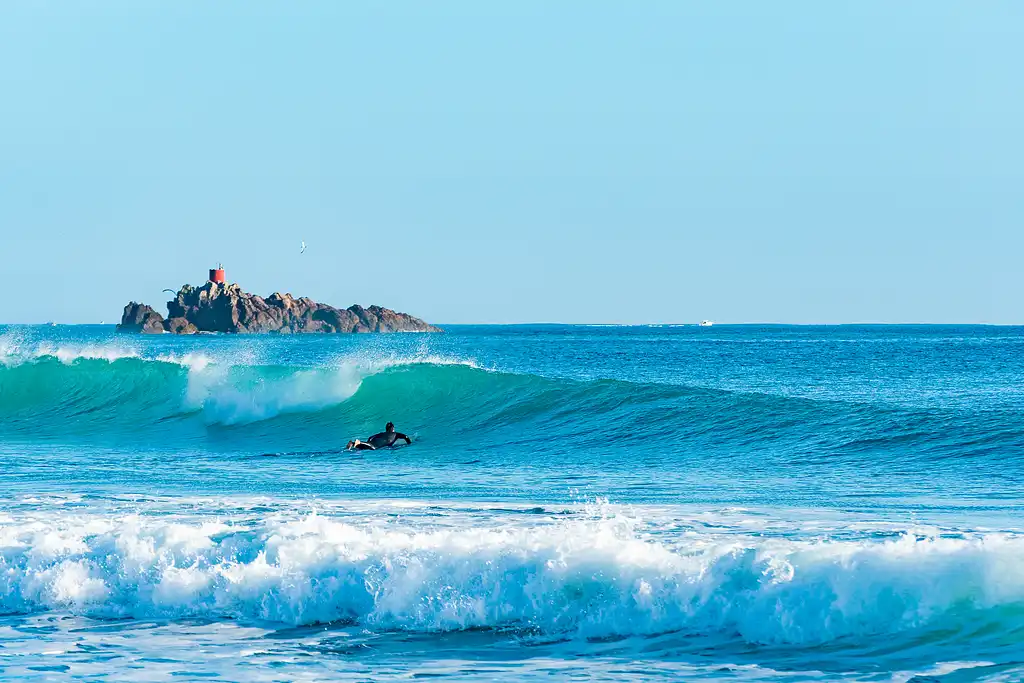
[171, 291]
[302, 247]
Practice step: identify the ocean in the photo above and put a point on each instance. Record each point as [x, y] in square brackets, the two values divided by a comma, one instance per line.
[738, 503]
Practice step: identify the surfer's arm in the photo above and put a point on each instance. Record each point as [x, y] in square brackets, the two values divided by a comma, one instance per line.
[400, 435]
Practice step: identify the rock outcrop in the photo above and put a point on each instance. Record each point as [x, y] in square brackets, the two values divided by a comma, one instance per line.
[141, 318]
[180, 326]
[220, 307]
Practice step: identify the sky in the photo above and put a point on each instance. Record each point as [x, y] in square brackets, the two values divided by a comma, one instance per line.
[529, 161]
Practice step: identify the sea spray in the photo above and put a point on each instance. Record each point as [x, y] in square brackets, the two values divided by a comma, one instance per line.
[588, 577]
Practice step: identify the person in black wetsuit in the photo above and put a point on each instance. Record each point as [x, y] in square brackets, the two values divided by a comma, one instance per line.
[384, 439]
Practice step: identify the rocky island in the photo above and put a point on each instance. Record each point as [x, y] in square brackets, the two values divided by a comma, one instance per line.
[218, 306]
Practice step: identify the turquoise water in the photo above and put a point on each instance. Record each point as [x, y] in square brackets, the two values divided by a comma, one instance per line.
[607, 503]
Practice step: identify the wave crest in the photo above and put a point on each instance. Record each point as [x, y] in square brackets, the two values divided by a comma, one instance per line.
[111, 395]
[112, 383]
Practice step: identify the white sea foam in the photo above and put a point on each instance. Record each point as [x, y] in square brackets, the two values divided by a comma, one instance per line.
[223, 400]
[14, 351]
[941, 669]
[228, 396]
[193, 360]
[68, 354]
[585, 577]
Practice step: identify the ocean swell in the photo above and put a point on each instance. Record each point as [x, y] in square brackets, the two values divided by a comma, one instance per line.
[111, 394]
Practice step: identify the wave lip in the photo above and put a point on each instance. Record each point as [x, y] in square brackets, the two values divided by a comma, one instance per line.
[241, 395]
[14, 351]
[582, 578]
[69, 354]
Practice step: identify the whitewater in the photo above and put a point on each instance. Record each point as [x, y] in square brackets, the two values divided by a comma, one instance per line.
[758, 503]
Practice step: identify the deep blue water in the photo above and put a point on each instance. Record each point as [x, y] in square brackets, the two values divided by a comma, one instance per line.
[738, 502]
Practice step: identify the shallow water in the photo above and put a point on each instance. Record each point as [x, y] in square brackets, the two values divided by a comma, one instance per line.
[726, 503]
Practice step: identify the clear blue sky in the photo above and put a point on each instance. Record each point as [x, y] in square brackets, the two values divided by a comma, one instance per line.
[518, 161]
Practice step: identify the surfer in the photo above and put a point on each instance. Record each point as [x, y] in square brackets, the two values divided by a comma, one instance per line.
[384, 439]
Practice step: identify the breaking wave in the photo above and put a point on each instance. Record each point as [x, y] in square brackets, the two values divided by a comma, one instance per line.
[592, 577]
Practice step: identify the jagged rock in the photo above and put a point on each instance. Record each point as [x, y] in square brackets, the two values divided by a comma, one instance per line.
[141, 318]
[181, 326]
[222, 307]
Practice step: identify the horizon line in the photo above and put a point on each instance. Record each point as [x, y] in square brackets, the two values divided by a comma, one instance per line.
[651, 324]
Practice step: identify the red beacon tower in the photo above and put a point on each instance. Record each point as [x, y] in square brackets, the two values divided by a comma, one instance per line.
[217, 274]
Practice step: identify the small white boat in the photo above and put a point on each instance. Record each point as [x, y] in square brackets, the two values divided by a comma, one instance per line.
[705, 323]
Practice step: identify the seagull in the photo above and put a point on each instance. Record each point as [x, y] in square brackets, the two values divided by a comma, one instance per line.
[302, 247]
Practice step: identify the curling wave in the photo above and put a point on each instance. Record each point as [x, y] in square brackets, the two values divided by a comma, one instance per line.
[113, 394]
